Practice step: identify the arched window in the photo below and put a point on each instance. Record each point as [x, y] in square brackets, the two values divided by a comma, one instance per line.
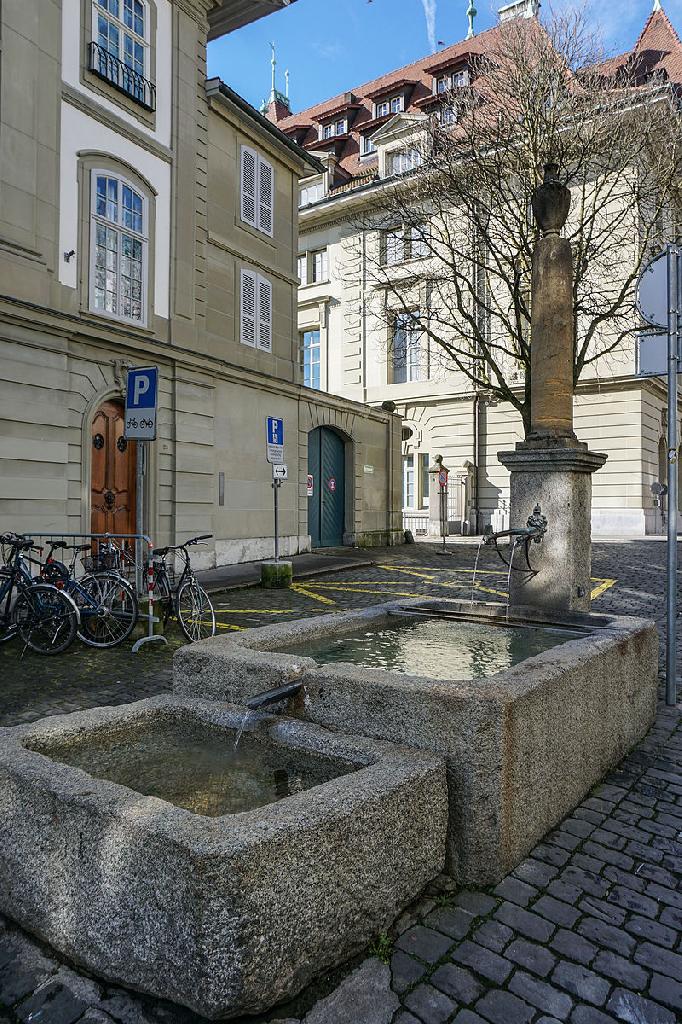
[119, 238]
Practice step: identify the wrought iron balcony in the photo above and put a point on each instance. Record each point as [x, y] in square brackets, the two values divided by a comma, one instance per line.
[125, 79]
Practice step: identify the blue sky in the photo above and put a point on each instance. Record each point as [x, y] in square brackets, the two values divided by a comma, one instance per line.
[330, 46]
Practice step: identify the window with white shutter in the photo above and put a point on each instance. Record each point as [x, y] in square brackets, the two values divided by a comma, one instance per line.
[249, 180]
[266, 181]
[257, 189]
[256, 311]
[248, 310]
[264, 314]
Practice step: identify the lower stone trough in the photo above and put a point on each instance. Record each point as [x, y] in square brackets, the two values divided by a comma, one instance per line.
[142, 845]
[530, 711]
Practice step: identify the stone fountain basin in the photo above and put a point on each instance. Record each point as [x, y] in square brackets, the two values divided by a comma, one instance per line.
[228, 914]
[523, 746]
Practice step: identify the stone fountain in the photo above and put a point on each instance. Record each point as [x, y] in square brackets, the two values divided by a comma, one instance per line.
[552, 468]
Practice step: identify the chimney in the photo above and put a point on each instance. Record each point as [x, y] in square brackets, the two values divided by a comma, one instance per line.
[519, 9]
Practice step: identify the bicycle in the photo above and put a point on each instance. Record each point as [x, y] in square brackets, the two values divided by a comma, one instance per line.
[44, 616]
[187, 599]
[106, 601]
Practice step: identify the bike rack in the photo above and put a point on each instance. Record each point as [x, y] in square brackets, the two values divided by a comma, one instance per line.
[144, 591]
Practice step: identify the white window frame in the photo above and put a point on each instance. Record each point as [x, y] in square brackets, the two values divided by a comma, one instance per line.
[317, 191]
[368, 146]
[397, 104]
[382, 108]
[314, 349]
[409, 481]
[401, 161]
[442, 80]
[260, 333]
[302, 265]
[413, 353]
[394, 247]
[96, 219]
[323, 255]
[343, 124]
[119, 24]
[262, 169]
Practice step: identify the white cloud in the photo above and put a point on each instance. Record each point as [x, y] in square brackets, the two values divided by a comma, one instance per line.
[430, 14]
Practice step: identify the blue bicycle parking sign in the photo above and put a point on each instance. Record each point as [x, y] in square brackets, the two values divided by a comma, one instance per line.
[141, 403]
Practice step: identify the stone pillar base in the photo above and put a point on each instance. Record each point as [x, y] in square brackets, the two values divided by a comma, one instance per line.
[276, 575]
[557, 475]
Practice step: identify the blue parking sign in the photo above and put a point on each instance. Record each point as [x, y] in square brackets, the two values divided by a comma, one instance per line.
[274, 440]
[141, 403]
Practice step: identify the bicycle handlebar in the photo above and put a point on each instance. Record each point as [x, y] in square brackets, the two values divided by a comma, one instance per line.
[161, 552]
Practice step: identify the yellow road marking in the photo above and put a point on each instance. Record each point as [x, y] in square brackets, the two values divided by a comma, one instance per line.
[357, 590]
[602, 588]
[488, 590]
[298, 589]
[407, 572]
[227, 625]
[479, 572]
[254, 611]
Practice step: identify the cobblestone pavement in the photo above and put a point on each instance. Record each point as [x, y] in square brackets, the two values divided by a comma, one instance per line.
[588, 929]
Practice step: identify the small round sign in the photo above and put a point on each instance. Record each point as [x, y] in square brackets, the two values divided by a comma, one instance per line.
[443, 478]
[331, 484]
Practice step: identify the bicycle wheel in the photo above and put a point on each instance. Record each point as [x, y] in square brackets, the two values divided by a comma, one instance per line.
[114, 617]
[195, 611]
[47, 618]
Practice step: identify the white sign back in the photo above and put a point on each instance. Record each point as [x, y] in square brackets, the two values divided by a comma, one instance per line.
[652, 292]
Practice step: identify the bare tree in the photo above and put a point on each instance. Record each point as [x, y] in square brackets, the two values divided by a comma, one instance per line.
[454, 238]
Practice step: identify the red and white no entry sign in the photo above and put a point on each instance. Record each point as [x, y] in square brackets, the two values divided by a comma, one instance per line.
[331, 483]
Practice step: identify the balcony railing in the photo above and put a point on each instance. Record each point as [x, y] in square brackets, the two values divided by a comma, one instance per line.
[125, 79]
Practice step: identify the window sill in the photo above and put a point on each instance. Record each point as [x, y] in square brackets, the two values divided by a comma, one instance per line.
[106, 319]
[147, 99]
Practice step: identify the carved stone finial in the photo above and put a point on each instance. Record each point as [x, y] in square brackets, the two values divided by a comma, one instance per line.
[551, 202]
[471, 14]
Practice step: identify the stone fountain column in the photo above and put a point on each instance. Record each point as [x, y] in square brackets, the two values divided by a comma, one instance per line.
[552, 467]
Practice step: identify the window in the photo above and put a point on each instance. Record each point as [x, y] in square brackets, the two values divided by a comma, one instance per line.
[367, 145]
[329, 131]
[404, 160]
[418, 241]
[118, 248]
[303, 269]
[447, 116]
[320, 266]
[257, 191]
[340, 127]
[311, 194]
[394, 246]
[460, 79]
[406, 348]
[408, 482]
[255, 325]
[442, 84]
[424, 461]
[119, 52]
[405, 243]
[381, 109]
[310, 352]
[397, 104]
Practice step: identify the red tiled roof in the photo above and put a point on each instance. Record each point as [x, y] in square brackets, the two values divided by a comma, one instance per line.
[658, 49]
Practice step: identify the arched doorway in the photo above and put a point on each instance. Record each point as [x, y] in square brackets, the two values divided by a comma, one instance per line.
[327, 504]
[112, 478]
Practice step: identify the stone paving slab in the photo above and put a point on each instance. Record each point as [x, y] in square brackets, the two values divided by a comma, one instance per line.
[588, 929]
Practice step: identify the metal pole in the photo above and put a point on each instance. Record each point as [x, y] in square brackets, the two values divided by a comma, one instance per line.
[275, 484]
[139, 511]
[673, 331]
[443, 512]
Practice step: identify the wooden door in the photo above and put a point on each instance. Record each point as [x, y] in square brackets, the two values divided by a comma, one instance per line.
[327, 506]
[113, 472]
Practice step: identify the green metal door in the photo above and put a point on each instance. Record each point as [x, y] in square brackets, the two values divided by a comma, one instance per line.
[327, 504]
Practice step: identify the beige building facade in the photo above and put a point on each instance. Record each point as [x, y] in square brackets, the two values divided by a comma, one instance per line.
[149, 217]
[365, 138]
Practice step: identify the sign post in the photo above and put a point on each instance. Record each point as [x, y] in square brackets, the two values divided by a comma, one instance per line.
[274, 453]
[658, 299]
[140, 426]
[443, 484]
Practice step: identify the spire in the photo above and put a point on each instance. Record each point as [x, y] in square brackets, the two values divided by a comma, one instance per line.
[286, 83]
[276, 106]
[471, 14]
[657, 6]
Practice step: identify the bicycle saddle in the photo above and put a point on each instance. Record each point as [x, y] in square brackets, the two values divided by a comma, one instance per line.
[160, 552]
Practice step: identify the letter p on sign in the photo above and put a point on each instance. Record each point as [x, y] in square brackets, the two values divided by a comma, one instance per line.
[141, 402]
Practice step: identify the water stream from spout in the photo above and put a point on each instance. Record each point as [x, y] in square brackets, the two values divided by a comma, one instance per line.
[473, 578]
[512, 551]
[244, 720]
